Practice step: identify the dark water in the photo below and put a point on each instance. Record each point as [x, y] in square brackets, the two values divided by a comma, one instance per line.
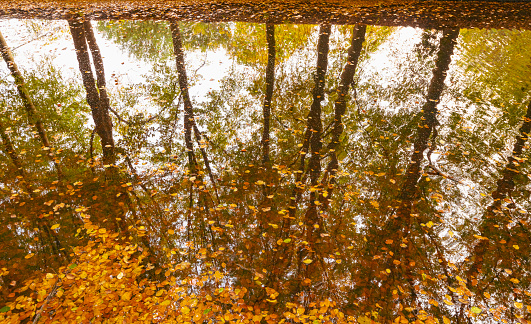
[186, 171]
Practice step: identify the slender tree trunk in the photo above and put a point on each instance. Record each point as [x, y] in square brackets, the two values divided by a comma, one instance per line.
[398, 229]
[314, 116]
[33, 115]
[98, 101]
[98, 106]
[270, 85]
[98, 65]
[504, 188]
[429, 115]
[189, 118]
[312, 221]
[353, 54]
[312, 139]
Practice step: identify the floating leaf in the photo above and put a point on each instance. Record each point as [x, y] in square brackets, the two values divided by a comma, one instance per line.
[475, 310]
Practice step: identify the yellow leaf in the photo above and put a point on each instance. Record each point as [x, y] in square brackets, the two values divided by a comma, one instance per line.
[171, 232]
[55, 226]
[218, 275]
[446, 320]
[49, 276]
[29, 256]
[260, 182]
[516, 247]
[447, 302]
[307, 261]
[518, 305]
[364, 320]
[475, 310]
[434, 302]
[429, 224]
[126, 296]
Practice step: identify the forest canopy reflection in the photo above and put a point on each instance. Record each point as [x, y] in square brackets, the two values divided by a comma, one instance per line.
[264, 173]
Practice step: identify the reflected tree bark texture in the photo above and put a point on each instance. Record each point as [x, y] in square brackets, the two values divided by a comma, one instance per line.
[190, 124]
[340, 106]
[313, 144]
[495, 223]
[98, 104]
[395, 236]
[270, 85]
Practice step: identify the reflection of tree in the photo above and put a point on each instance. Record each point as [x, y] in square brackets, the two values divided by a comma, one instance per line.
[270, 84]
[98, 102]
[347, 76]
[497, 245]
[33, 115]
[189, 117]
[397, 238]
